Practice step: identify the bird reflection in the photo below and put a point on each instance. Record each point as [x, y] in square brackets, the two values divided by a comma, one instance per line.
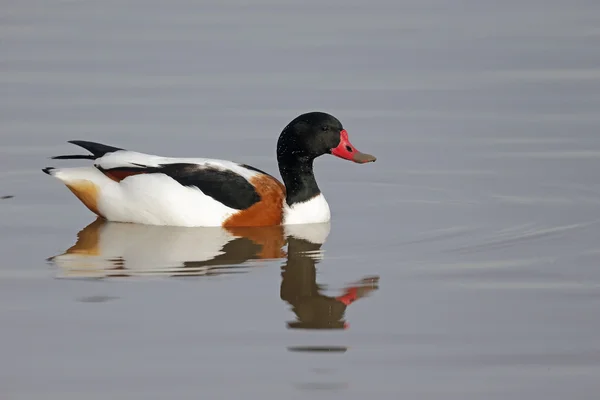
[117, 250]
[300, 289]
[111, 249]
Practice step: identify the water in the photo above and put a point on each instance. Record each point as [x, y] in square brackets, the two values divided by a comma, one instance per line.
[471, 245]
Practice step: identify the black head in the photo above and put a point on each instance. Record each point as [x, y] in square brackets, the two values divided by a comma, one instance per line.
[313, 134]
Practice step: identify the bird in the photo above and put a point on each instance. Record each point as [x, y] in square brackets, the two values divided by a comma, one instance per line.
[134, 187]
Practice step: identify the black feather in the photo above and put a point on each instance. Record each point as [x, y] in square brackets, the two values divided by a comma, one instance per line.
[75, 157]
[227, 187]
[251, 168]
[97, 149]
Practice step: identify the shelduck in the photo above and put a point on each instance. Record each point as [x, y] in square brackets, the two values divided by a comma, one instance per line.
[128, 186]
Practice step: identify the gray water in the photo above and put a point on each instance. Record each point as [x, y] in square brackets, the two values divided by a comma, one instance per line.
[472, 241]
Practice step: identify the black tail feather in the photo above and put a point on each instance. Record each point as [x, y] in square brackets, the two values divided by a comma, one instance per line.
[97, 149]
[75, 157]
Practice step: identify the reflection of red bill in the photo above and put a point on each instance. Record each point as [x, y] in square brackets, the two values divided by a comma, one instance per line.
[349, 297]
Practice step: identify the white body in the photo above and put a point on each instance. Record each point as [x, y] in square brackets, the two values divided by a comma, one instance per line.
[157, 199]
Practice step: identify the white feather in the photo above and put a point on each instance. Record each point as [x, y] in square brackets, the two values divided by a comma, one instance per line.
[157, 199]
[315, 210]
[91, 174]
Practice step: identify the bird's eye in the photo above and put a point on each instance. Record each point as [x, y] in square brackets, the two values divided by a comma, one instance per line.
[324, 128]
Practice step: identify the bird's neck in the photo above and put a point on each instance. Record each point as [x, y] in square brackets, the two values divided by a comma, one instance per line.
[299, 180]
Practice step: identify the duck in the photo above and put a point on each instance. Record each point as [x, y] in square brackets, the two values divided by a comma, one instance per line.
[133, 187]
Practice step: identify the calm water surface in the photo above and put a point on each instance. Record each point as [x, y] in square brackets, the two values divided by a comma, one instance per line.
[463, 264]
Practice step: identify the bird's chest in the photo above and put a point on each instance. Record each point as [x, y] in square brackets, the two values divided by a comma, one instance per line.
[314, 210]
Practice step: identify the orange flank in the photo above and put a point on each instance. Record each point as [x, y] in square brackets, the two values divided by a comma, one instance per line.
[87, 192]
[268, 211]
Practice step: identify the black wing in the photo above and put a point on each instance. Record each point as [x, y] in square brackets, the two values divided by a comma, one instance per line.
[224, 186]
